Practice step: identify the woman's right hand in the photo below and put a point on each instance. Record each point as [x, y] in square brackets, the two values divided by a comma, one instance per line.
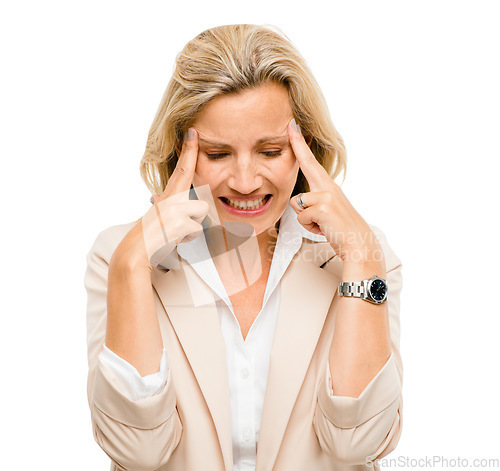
[172, 218]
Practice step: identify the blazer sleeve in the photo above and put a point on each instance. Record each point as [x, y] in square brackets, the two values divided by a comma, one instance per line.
[136, 435]
[360, 430]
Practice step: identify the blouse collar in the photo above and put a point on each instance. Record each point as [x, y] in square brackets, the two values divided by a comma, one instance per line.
[289, 241]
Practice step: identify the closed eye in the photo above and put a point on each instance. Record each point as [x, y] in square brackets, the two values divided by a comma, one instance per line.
[273, 153]
[221, 155]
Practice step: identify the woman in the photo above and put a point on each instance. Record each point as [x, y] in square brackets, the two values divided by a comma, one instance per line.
[223, 332]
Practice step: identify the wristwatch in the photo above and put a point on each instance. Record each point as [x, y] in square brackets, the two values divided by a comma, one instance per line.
[373, 290]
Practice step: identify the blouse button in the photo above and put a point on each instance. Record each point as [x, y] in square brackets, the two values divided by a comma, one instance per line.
[245, 373]
[247, 434]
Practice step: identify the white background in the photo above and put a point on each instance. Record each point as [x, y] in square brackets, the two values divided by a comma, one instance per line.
[412, 86]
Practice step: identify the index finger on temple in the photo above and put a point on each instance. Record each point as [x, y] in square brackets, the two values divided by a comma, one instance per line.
[184, 170]
[311, 168]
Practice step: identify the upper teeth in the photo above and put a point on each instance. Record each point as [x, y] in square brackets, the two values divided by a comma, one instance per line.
[247, 204]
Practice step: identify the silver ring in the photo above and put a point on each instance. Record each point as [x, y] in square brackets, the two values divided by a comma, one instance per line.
[300, 203]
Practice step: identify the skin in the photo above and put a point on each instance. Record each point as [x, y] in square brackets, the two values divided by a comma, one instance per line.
[235, 165]
[247, 168]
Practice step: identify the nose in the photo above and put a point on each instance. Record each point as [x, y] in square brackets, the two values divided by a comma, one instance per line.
[245, 175]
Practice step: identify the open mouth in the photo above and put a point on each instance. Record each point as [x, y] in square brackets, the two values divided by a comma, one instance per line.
[246, 205]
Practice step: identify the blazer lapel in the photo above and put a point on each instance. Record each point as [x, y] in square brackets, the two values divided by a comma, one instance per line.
[195, 320]
[189, 304]
[306, 294]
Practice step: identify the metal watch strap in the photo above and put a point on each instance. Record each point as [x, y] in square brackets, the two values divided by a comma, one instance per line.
[353, 289]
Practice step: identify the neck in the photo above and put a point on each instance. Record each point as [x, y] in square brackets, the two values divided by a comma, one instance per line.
[240, 255]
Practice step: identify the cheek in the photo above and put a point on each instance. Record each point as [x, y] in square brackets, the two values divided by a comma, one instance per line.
[288, 170]
[292, 180]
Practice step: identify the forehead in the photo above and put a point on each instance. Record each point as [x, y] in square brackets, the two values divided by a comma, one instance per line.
[251, 115]
[281, 139]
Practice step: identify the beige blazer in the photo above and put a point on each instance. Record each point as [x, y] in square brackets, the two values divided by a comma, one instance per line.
[187, 427]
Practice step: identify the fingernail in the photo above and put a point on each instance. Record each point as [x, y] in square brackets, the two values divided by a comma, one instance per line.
[296, 126]
[152, 200]
[189, 134]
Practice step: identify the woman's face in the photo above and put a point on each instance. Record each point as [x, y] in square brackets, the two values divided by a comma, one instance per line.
[245, 155]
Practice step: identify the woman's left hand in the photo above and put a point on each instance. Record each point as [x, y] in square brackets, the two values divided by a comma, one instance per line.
[328, 212]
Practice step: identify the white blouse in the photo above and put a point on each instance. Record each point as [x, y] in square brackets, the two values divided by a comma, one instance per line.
[247, 360]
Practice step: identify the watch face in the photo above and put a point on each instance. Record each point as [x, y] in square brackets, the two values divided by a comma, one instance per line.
[378, 290]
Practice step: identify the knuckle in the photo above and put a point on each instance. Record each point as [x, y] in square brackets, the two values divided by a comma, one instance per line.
[179, 227]
[180, 170]
[323, 208]
[329, 197]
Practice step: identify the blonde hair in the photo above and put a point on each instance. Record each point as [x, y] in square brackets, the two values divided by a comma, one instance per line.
[229, 59]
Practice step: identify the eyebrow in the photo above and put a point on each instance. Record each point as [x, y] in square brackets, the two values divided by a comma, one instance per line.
[264, 140]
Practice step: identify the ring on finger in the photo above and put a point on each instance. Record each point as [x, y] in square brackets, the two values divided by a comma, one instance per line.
[300, 203]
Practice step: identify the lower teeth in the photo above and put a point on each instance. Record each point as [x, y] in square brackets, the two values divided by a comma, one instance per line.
[247, 209]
